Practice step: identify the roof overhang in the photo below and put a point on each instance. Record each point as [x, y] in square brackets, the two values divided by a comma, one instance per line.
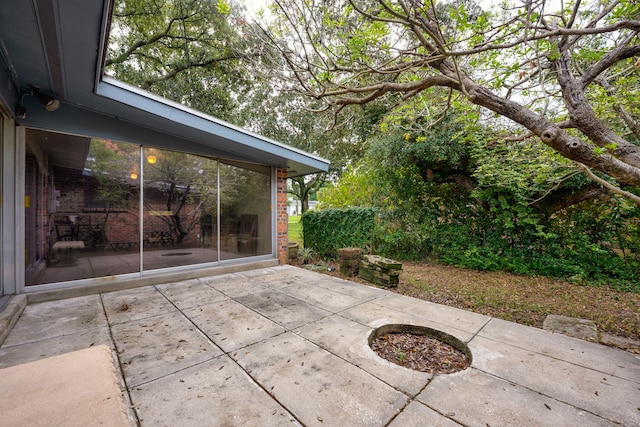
[54, 47]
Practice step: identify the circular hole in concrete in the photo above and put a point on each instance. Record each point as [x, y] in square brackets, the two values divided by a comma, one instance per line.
[177, 254]
[420, 348]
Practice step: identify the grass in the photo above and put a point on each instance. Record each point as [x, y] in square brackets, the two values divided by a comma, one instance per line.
[295, 229]
[523, 299]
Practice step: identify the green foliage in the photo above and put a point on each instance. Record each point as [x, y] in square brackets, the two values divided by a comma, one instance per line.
[582, 244]
[493, 226]
[528, 169]
[292, 119]
[605, 239]
[223, 7]
[190, 51]
[355, 189]
[519, 60]
[325, 231]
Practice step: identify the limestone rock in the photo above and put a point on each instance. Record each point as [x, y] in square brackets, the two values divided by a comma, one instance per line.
[571, 326]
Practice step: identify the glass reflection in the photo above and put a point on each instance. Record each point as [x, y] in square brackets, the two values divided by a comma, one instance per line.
[180, 214]
[245, 215]
[82, 218]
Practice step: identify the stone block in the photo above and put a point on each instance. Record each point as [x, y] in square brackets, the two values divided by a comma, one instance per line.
[350, 253]
[349, 260]
[380, 271]
[574, 327]
[383, 262]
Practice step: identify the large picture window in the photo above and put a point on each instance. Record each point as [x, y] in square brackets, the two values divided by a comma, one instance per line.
[104, 208]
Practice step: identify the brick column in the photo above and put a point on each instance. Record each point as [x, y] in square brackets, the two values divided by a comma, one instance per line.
[282, 219]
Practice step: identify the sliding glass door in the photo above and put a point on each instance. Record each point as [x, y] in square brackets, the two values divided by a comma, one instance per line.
[82, 209]
[97, 208]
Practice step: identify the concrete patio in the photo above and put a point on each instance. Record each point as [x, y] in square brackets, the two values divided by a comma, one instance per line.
[286, 346]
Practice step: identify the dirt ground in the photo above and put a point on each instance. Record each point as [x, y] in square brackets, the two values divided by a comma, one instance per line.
[522, 299]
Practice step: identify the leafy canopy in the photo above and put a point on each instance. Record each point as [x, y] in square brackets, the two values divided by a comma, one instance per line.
[565, 77]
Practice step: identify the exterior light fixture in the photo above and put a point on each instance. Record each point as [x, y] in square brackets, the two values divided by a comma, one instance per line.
[49, 102]
[20, 112]
[151, 159]
[133, 175]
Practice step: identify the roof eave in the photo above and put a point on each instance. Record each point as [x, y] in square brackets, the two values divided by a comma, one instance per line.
[179, 118]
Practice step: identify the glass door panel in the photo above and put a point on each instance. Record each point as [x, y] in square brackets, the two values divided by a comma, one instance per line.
[180, 209]
[245, 211]
[86, 209]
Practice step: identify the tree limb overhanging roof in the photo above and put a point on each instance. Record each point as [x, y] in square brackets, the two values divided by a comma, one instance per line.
[55, 47]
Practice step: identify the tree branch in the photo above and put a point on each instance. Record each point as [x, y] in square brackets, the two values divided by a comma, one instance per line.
[558, 31]
[585, 119]
[141, 43]
[177, 70]
[620, 52]
[608, 185]
[557, 199]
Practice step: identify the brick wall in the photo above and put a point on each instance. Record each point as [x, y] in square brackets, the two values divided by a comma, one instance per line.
[282, 220]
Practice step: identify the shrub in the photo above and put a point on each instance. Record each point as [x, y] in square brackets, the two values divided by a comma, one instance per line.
[327, 230]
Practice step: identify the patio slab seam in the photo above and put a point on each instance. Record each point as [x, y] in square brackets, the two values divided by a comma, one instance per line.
[122, 381]
[480, 329]
[557, 358]
[211, 339]
[547, 396]
[263, 388]
[229, 354]
[410, 400]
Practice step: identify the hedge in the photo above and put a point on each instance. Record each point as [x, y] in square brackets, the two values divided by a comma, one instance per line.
[327, 230]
